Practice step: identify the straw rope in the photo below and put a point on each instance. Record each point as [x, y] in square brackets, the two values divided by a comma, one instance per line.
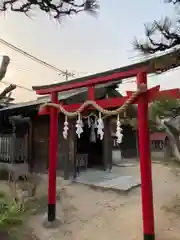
[141, 88]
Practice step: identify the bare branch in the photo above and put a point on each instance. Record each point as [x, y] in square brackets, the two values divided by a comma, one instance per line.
[3, 70]
[3, 67]
[7, 90]
[57, 10]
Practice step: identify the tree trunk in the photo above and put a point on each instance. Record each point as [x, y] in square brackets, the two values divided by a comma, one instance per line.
[172, 138]
[3, 66]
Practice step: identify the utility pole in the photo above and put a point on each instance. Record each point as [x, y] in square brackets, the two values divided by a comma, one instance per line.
[67, 74]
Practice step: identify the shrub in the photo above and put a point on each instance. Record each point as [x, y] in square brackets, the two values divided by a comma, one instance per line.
[10, 213]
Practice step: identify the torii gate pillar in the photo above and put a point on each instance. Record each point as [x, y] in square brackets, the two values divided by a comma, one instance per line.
[145, 162]
[53, 142]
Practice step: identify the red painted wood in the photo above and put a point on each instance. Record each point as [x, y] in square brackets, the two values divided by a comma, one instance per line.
[116, 102]
[53, 141]
[91, 93]
[175, 93]
[89, 82]
[155, 95]
[104, 103]
[145, 160]
[152, 93]
[43, 111]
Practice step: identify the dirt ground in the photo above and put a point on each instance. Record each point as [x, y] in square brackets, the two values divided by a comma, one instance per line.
[93, 214]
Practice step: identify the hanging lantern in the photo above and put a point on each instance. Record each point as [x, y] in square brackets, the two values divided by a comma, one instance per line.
[79, 126]
[119, 134]
[100, 127]
[66, 128]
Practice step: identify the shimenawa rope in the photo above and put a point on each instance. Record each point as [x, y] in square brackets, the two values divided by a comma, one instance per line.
[141, 88]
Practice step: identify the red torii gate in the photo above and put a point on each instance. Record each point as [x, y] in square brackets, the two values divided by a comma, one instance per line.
[144, 146]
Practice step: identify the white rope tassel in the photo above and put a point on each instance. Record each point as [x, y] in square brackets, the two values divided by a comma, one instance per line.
[95, 123]
[100, 127]
[93, 134]
[89, 122]
[79, 126]
[119, 134]
[66, 128]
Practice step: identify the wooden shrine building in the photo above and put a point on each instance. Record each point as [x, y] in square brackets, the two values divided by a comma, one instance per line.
[93, 153]
[85, 151]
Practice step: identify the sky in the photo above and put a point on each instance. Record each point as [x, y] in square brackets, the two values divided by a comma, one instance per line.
[82, 44]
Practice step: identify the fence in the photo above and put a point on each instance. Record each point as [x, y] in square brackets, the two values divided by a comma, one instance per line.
[13, 149]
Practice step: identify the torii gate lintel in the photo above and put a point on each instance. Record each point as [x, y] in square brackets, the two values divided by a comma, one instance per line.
[105, 103]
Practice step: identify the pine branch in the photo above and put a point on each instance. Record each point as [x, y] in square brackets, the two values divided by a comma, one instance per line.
[169, 38]
[160, 35]
[57, 10]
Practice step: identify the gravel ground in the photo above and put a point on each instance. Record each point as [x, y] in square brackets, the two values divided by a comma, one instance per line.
[94, 214]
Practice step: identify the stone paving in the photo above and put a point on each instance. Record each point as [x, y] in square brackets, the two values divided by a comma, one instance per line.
[101, 179]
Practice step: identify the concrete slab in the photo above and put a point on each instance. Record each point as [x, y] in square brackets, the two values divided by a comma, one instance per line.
[126, 164]
[105, 180]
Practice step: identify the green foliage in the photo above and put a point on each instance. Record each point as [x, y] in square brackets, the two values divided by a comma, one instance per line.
[17, 207]
[154, 128]
[161, 108]
[10, 213]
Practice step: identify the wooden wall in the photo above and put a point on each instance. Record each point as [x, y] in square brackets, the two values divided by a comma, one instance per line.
[40, 143]
[67, 148]
[64, 152]
[40, 146]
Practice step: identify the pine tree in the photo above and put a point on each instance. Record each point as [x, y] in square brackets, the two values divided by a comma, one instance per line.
[56, 9]
[161, 35]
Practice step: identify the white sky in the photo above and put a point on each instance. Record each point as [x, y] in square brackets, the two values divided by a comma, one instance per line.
[81, 44]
